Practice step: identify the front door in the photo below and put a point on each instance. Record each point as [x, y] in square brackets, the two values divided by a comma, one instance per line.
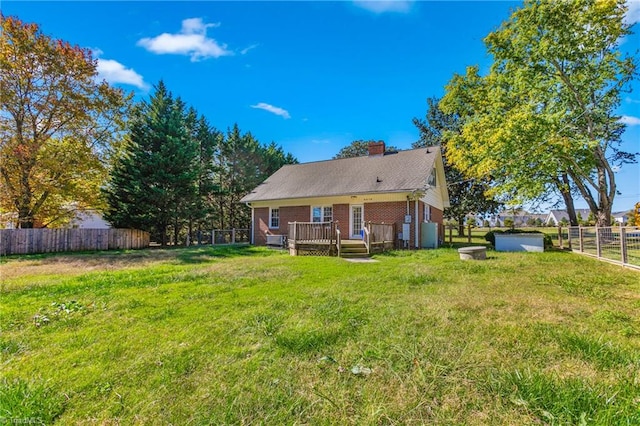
[357, 220]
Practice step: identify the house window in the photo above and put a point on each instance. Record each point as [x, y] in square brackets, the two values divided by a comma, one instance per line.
[321, 214]
[427, 213]
[431, 180]
[274, 218]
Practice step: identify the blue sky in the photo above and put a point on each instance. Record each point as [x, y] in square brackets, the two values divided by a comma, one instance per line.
[311, 76]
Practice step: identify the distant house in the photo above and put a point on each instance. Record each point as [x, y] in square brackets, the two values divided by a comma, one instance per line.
[404, 187]
[620, 218]
[88, 219]
[556, 216]
[82, 218]
[519, 218]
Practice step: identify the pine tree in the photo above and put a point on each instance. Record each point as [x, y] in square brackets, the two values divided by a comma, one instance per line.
[242, 164]
[154, 179]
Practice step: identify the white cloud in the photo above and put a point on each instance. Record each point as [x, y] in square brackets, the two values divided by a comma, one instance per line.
[630, 120]
[272, 109]
[116, 73]
[633, 12]
[382, 6]
[192, 41]
[196, 26]
[247, 49]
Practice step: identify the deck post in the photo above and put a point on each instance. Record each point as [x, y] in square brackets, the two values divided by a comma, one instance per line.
[331, 231]
[295, 228]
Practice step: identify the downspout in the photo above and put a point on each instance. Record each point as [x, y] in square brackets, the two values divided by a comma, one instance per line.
[253, 224]
[417, 223]
[406, 237]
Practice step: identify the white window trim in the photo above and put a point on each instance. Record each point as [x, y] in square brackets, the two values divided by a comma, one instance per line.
[432, 179]
[322, 218]
[271, 209]
[427, 213]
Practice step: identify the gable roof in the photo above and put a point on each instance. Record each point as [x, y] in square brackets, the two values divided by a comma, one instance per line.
[562, 214]
[402, 171]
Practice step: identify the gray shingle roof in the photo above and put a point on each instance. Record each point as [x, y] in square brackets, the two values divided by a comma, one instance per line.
[402, 171]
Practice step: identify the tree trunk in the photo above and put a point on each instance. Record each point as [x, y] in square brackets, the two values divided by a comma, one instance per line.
[163, 232]
[565, 190]
[603, 218]
[25, 219]
[460, 226]
[25, 213]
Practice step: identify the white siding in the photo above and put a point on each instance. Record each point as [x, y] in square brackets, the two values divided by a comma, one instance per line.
[438, 196]
[89, 220]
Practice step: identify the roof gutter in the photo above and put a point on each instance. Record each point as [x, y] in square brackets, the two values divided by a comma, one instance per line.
[397, 191]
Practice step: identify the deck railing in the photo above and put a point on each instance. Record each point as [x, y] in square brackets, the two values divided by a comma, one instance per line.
[325, 237]
[366, 238]
[312, 231]
[380, 232]
[315, 238]
[379, 236]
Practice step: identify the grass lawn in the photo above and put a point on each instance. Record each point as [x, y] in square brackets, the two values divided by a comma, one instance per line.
[252, 336]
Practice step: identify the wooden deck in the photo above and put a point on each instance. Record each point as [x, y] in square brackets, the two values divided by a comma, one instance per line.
[324, 239]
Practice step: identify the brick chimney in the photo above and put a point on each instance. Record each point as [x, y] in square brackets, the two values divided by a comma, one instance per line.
[376, 148]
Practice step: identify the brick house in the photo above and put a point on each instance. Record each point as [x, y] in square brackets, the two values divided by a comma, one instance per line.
[405, 188]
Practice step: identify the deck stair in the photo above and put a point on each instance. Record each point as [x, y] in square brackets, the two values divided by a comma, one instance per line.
[353, 249]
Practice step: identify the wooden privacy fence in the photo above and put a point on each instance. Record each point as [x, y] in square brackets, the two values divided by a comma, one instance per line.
[38, 240]
[615, 244]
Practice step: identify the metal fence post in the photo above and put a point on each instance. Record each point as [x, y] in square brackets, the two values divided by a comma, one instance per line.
[233, 235]
[598, 243]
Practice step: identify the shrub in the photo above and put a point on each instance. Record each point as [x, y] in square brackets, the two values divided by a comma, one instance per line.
[491, 236]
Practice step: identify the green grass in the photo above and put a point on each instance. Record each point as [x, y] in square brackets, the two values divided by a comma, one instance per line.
[243, 335]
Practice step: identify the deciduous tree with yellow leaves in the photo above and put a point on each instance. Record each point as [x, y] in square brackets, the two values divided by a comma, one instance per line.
[57, 122]
[543, 119]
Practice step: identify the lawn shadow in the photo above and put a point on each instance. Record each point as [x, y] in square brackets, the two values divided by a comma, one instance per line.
[203, 254]
[114, 259]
